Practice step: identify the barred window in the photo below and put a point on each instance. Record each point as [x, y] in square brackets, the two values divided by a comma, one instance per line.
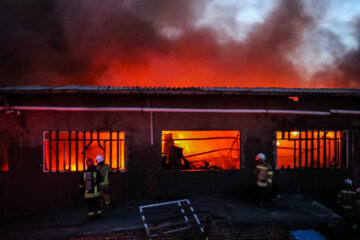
[66, 151]
[312, 149]
[200, 150]
[3, 151]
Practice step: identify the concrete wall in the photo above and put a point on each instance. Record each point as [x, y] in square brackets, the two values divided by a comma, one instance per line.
[27, 188]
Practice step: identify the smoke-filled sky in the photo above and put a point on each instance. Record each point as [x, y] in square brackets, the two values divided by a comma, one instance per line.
[180, 43]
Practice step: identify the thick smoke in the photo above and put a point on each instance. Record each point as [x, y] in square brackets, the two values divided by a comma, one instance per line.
[345, 71]
[153, 43]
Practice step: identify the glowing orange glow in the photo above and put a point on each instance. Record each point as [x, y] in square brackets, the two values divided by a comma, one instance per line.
[295, 99]
[221, 149]
[3, 152]
[325, 152]
[70, 155]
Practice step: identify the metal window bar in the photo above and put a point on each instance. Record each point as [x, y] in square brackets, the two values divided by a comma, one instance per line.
[312, 149]
[318, 149]
[306, 149]
[77, 150]
[117, 151]
[110, 149]
[57, 150]
[324, 150]
[300, 150]
[50, 160]
[69, 142]
[56, 142]
[166, 218]
[84, 147]
[334, 150]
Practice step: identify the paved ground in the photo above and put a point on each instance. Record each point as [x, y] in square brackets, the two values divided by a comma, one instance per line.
[291, 211]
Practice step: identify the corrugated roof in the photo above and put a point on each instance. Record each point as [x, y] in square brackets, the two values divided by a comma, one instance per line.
[181, 90]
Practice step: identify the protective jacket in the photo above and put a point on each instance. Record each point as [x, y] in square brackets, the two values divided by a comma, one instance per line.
[104, 170]
[346, 198]
[90, 181]
[264, 174]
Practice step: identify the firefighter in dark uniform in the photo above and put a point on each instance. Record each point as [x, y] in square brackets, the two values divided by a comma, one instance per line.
[264, 174]
[346, 200]
[357, 208]
[89, 183]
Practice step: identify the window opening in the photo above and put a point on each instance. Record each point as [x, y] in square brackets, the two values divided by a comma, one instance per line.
[67, 151]
[312, 149]
[195, 150]
[3, 151]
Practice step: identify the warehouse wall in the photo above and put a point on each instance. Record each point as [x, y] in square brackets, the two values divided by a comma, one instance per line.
[27, 188]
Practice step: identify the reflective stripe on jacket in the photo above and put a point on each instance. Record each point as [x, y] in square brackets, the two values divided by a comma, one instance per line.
[94, 192]
[264, 175]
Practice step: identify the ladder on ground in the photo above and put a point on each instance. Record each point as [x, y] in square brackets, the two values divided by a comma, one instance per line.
[174, 217]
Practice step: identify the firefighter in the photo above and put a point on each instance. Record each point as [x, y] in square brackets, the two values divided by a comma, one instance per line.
[357, 206]
[264, 176]
[104, 170]
[89, 183]
[346, 200]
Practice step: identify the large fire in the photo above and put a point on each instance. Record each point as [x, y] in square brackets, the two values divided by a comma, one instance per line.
[68, 154]
[206, 149]
[316, 149]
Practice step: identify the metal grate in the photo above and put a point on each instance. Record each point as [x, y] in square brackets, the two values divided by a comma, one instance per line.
[312, 149]
[66, 151]
[171, 217]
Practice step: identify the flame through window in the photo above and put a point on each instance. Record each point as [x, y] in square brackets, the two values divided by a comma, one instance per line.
[194, 150]
[311, 149]
[68, 150]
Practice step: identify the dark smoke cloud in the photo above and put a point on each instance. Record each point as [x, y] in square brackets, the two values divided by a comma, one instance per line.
[49, 42]
[345, 71]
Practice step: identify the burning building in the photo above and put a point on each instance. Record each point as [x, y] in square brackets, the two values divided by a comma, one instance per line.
[173, 141]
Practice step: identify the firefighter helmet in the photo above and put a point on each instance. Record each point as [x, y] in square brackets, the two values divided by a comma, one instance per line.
[99, 158]
[348, 182]
[260, 157]
[89, 162]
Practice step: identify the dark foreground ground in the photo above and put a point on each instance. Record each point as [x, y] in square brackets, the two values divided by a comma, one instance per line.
[223, 217]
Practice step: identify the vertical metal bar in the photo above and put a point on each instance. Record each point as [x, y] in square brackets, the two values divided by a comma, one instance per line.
[69, 139]
[84, 145]
[50, 164]
[300, 149]
[105, 150]
[64, 155]
[110, 149]
[306, 149]
[294, 154]
[312, 149]
[238, 148]
[335, 149]
[324, 149]
[318, 149]
[282, 134]
[77, 150]
[117, 151]
[57, 150]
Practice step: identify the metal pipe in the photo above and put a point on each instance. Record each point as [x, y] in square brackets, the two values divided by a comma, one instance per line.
[341, 111]
[148, 109]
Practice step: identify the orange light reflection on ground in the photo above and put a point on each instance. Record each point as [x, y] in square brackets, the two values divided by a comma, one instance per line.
[197, 142]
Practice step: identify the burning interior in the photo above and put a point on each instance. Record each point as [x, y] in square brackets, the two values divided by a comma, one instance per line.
[3, 152]
[200, 150]
[68, 150]
[314, 149]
